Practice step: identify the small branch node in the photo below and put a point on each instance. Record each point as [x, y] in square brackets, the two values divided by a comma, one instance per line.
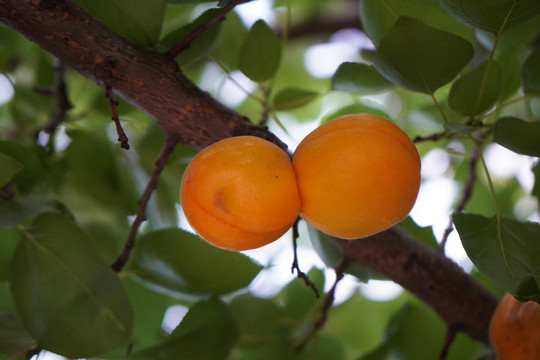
[122, 137]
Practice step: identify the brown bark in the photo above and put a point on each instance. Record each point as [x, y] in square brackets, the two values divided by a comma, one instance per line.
[155, 84]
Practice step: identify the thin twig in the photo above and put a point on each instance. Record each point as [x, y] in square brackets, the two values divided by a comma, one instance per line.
[168, 147]
[330, 295]
[432, 137]
[451, 334]
[62, 104]
[465, 196]
[122, 137]
[299, 273]
[185, 43]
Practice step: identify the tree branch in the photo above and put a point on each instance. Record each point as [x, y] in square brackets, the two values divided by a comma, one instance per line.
[427, 273]
[154, 83]
[148, 80]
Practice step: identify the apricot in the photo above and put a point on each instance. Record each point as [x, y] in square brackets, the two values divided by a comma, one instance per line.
[514, 330]
[240, 193]
[357, 175]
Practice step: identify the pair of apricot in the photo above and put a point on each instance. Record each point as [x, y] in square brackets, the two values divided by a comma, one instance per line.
[514, 330]
[352, 177]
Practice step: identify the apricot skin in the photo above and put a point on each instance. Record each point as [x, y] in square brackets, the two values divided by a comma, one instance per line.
[240, 193]
[357, 175]
[514, 330]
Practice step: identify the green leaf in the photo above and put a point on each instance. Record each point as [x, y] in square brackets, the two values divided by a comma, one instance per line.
[33, 170]
[96, 172]
[207, 331]
[173, 260]
[21, 209]
[68, 298]
[492, 15]
[358, 78]
[258, 320]
[290, 98]
[331, 255]
[477, 90]
[355, 108]
[8, 243]
[419, 57]
[378, 16]
[518, 135]
[260, 54]
[138, 20]
[202, 44]
[13, 338]
[503, 249]
[10, 167]
[530, 72]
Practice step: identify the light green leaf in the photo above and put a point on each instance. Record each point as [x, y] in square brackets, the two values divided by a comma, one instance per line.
[23, 208]
[138, 20]
[355, 108]
[290, 98]
[492, 15]
[68, 298]
[477, 90]
[207, 331]
[10, 167]
[378, 16]
[173, 260]
[530, 72]
[518, 135]
[261, 53]
[358, 78]
[505, 250]
[419, 57]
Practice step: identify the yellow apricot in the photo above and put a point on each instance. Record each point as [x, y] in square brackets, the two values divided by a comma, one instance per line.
[357, 175]
[514, 330]
[240, 193]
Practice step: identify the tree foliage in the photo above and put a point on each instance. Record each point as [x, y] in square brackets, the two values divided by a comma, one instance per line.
[91, 250]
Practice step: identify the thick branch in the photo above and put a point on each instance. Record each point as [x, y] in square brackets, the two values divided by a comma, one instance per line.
[148, 80]
[427, 273]
[155, 84]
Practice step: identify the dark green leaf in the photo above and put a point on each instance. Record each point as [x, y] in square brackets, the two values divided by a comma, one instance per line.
[8, 242]
[95, 172]
[503, 249]
[290, 98]
[530, 73]
[68, 298]
[419, 57]
[261, 53]
[9, 167]
[13, 339]
[21, 209]
[536, 187]
[358, 78]
[518, 135]
[138, 20]
[492, 15]
[201, 45]
[207, 332]
[476, 91]
[176, 261]
[33, 170]
[379, 16]
[423, 234]
[331, 256]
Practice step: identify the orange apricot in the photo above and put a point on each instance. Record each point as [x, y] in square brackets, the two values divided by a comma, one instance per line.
[357, 175]
[240, 193]
[514, 331]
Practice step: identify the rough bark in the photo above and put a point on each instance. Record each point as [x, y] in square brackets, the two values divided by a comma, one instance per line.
[154, 83]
